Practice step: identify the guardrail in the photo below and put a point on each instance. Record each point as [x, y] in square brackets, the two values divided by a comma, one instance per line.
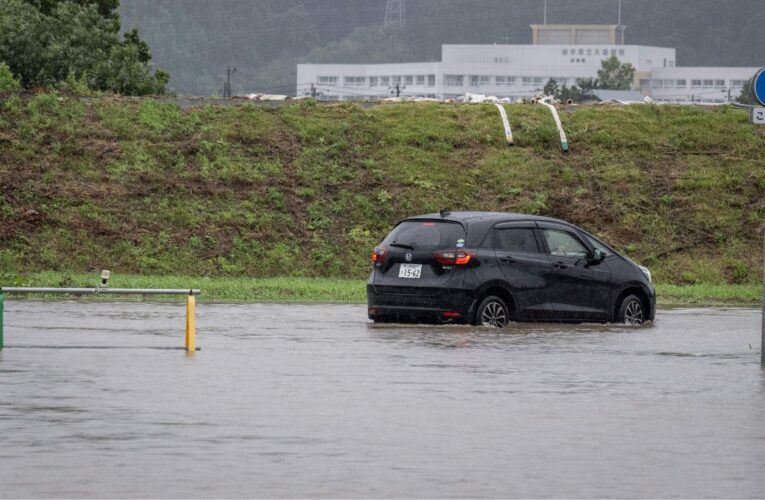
[191, 323]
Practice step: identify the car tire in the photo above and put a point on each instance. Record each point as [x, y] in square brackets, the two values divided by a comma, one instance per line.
[493, 313]
[631, 311]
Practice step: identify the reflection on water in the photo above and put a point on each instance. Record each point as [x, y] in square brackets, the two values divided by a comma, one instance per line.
[295, 401]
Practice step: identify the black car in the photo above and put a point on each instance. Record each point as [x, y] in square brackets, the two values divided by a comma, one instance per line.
[489, 268]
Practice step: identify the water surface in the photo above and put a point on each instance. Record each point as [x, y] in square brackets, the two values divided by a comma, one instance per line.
[296, 401]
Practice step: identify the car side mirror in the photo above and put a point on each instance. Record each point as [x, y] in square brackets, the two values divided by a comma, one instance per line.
[597, 256]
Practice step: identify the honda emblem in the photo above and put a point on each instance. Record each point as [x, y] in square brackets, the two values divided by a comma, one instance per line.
[408, 257]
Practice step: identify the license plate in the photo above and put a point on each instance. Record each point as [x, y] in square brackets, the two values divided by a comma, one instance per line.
[410, 271]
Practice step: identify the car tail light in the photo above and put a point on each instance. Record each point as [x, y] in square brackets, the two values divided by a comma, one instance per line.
[453, 257]
[451, 314]
[379, 255]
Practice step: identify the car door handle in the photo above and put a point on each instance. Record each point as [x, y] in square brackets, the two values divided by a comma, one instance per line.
[509, 260]
[560, 265]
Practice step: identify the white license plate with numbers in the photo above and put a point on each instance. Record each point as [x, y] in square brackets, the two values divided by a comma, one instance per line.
[410, 271]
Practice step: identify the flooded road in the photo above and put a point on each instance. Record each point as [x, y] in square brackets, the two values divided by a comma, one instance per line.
[296, 401]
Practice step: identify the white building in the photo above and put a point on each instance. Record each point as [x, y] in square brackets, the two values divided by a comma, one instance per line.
[564, 53]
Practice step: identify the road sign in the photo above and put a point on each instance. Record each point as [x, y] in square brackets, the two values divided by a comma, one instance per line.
[758, 86]
[757, 116]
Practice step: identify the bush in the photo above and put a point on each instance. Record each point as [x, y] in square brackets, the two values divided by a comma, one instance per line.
[7, 81]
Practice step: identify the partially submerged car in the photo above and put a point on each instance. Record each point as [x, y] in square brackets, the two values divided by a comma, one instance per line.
[490, 268]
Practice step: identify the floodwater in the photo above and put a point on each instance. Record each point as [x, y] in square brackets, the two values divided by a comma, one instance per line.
[297, 401]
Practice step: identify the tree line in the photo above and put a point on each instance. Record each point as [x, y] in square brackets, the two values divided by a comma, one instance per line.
[46, 43]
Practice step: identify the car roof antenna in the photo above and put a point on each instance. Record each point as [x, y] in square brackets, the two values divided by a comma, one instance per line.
[444, 213]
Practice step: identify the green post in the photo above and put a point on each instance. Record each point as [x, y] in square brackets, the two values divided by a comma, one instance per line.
[1, 319]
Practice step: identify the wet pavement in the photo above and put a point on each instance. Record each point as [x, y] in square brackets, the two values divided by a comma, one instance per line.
[296, 401]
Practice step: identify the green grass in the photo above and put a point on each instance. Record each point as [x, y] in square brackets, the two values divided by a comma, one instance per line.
[709, 295]
[222, 289]
[306, 190]
[333, 290]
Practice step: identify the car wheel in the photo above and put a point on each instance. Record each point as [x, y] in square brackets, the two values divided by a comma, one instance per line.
[631, 312]
[493, 312]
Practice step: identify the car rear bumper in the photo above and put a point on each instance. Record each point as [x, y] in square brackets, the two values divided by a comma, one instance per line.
[412, 304]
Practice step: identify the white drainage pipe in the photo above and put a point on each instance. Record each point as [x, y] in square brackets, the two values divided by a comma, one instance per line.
[563, 139]
[505, 123]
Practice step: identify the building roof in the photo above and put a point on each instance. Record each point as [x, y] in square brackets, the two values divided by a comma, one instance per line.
[615, 95]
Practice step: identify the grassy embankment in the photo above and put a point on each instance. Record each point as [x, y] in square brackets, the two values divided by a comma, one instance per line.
[306, 190]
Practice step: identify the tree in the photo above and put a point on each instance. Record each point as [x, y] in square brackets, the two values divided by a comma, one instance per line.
[45, 42]
[565, 93]
[746, 96]
[615, 75]
[551, 88]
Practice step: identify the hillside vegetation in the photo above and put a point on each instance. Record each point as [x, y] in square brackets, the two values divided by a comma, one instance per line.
[307, 189]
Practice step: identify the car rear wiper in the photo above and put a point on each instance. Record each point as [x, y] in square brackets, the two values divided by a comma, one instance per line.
[402, 245]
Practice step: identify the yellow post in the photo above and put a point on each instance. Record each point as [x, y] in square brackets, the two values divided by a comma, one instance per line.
[191, 323]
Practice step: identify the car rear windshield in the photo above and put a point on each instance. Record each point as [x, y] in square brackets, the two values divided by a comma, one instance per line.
[426, 235]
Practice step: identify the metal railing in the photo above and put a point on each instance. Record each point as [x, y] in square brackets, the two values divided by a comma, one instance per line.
[191, 329]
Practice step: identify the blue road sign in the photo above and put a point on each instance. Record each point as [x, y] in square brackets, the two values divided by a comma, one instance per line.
[758, 86]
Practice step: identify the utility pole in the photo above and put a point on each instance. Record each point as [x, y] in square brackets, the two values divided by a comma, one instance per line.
[619, 18]
[545, 14]
[395, 13]
[227, 85]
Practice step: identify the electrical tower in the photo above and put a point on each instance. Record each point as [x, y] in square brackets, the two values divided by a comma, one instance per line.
[395, 13]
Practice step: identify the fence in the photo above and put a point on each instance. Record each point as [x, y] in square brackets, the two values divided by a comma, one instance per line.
[191, 323]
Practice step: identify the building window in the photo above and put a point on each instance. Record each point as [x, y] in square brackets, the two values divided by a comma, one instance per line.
[719, 84]
[373, 81]
[473, 80]
[589, 52]
[354, 81]
[395, 80]
[565, 52]
[572, 59]
[613, 52]
[668, 84]
[655, 84]
[538, 80]
[581, 52]
[695, 84]
[527, 81]
[708, 84]
[680, 84]
[421, 80]
[484, 80]
[328, 80]
[454, 80]
[597, 52]
[431, 80]
[737, 83]
[501, 60]
[621, 52]
[584, 60]
[385, 81]
[409, 80]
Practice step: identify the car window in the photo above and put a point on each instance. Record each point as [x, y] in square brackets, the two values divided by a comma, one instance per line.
[427, 235]
[517, 239]
[564, 244]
